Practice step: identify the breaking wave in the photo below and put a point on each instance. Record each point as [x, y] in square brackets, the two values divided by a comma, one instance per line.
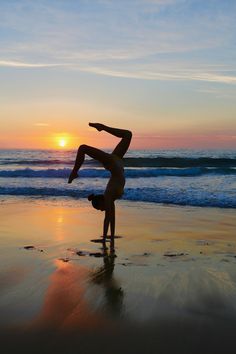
[129, 173]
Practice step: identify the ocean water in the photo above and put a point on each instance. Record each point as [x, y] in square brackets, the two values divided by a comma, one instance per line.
[205, 178]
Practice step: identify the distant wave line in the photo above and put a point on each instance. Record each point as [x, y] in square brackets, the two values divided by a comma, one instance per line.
[178, 162]
[129, 173]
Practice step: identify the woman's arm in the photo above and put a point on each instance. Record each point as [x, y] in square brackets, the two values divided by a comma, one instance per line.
[109, 219]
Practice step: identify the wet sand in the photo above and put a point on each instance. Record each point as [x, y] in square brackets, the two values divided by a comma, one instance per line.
[170, 287]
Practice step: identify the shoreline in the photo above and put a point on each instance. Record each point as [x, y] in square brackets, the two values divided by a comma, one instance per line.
[6, 198]
[173, 274]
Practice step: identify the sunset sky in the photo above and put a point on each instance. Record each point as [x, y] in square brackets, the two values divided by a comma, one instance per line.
[166, 69]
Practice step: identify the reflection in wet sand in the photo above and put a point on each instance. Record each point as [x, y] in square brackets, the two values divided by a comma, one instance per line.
[66, 304]
[11, 277]
[113, 292]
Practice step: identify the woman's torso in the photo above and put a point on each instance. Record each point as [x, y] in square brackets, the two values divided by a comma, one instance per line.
[115, 186]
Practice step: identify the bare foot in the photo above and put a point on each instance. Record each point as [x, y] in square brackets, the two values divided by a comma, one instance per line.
[73, 176]
[97, 126]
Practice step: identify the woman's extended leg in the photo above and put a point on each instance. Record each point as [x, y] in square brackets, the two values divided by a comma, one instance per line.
[126, 136]
[96, 154]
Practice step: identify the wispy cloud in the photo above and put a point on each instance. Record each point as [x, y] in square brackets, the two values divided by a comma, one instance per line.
[136, 73]
[189, 75]
[139, 39]
[217, 92]
[164, 2]
[183, 137]
[42, 124]
[18, 64]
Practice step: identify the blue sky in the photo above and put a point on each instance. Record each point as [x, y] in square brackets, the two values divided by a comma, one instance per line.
[167, 66]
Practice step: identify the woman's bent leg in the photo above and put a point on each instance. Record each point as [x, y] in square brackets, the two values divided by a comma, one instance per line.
[78, 162]
[124, 134]
[96, 154]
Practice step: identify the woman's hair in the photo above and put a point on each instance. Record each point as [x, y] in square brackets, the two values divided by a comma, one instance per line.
[96, 200]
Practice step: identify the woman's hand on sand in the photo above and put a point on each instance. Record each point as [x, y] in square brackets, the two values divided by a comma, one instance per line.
[97, 126]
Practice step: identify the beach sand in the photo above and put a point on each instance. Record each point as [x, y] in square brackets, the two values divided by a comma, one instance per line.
[170, 288]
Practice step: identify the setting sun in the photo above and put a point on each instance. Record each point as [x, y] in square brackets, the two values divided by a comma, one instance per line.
[62, 142]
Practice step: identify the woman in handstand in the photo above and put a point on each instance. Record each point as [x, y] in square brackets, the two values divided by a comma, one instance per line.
[112, 162]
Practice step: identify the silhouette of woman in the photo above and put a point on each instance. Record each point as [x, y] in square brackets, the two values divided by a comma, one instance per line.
[112, 162]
